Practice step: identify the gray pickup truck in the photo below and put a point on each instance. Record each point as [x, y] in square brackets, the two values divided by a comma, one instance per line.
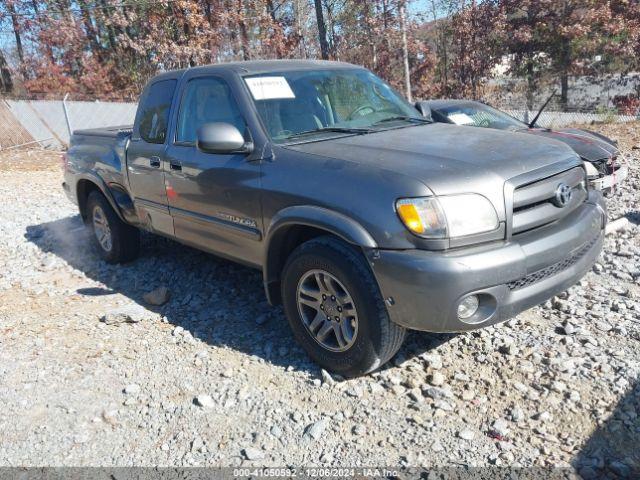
[365, 218]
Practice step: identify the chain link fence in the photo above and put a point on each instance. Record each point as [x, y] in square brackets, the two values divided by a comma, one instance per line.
[561, 119]
[49, 123]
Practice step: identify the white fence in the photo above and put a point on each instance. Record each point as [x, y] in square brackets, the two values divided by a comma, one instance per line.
[47, 123]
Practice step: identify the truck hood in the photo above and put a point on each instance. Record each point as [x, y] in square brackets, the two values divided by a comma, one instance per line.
[451, 159]
[590, 147]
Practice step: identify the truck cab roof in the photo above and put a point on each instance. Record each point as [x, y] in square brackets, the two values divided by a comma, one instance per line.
[258, 67]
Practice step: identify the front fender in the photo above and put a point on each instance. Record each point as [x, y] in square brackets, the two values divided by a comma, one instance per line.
[278, 242]
[323, 218]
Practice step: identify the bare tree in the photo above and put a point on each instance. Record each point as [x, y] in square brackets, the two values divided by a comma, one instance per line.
[6, 83]
[322, 31]
[17, 33]
[244, 34]
[405, 49]
[330, 21]
[299, 14]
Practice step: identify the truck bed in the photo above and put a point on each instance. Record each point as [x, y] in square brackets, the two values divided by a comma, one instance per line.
[101, 151]
[109, 132]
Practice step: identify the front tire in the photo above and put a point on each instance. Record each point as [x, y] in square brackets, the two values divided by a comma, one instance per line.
[115, 241]
[335, 309]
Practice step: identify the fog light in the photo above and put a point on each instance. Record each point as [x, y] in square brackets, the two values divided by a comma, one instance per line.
[468, 306]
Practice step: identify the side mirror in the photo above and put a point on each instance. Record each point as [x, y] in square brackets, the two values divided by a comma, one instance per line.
[424, 109]
[220, 137]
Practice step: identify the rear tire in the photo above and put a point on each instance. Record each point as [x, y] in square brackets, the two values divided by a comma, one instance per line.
[335, 309]
[116, 241]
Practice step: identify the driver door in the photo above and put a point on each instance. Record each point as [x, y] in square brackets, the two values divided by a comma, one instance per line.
[214, 199]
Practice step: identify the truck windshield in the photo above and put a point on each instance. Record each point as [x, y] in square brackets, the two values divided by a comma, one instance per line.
[312, 104]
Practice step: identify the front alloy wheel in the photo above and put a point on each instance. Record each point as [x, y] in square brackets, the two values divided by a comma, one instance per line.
[327, 310]
[335, 309]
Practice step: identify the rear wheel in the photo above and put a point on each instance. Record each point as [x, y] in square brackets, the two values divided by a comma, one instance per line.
[116, 241]
[335, 308]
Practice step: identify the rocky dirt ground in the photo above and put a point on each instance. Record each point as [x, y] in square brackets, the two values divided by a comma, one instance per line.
[213, 377]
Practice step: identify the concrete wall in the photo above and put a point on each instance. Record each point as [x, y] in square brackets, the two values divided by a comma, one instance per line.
[564, 119]
[46, 122]
[586, 93]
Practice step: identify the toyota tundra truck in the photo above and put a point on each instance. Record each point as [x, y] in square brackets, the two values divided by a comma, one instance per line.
[365, 218]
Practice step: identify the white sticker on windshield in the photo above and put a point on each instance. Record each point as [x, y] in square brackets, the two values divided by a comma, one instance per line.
[461, 119]
[269, 88]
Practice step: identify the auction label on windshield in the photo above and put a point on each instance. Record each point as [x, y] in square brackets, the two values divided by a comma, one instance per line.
[461, 119]
[269, 88]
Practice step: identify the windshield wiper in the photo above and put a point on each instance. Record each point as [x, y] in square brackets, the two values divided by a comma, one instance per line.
[403, 117]
[330, 129]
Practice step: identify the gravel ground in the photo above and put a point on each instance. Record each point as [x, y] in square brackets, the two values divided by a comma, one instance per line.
[92, 374]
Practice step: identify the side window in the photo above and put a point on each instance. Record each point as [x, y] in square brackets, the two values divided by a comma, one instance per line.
[206, 100]
[154, 111]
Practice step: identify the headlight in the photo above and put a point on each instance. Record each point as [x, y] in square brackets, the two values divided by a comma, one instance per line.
[448, 216]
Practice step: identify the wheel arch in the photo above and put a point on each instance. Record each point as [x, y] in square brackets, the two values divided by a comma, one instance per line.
[115, 194]
[295, 225]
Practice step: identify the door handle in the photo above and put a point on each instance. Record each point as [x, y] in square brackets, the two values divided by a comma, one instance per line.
[173, 165]
[154, 162]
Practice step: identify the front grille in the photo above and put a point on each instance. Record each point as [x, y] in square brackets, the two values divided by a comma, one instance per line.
[534, 204]
[554, 269]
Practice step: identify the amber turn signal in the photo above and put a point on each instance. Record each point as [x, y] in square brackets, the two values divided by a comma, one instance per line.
[411, 218]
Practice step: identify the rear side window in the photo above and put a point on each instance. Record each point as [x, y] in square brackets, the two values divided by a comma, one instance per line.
[206, 100]
[154, 111]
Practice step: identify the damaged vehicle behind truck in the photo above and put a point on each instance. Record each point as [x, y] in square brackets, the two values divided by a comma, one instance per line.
[365, 218]
[602, 160]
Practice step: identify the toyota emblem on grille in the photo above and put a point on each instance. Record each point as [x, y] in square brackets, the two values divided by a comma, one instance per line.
[563, 195]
